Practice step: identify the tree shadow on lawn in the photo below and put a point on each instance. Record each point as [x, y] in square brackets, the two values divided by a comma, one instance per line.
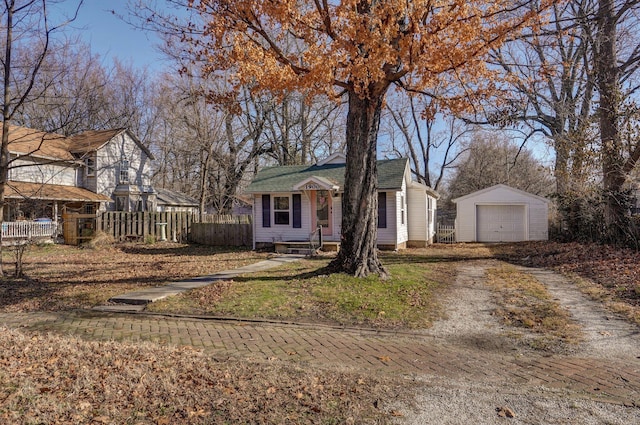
[28, 294]
[179, 249]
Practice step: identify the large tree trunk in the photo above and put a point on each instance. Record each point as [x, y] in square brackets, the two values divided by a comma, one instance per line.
[358, 255]
[608, 79]
[6, 117]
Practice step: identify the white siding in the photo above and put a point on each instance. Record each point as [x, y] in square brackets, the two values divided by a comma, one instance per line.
[536, 212]
[281, 232]
[417, 206]
[337, 218]
[108, 159]
[387, 236]
[33, 171]
[402, 232]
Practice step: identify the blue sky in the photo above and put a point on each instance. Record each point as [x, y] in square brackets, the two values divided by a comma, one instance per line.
[109, 36]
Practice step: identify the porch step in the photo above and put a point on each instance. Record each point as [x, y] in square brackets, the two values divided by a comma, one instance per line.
[301, 251]
[302, 247]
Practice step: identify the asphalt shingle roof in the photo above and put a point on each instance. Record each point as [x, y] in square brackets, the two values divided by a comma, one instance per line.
[170, 197]
[27, 141]
[25, 190]
[283, 178]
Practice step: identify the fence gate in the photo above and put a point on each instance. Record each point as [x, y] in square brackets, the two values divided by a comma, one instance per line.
[445, 233]
[78, 228]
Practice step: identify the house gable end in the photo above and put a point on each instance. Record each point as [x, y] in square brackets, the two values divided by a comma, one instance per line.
[316, 183]
[499, 187]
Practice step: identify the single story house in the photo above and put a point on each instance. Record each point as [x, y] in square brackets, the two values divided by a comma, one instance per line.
[290, 202]
[501, 214]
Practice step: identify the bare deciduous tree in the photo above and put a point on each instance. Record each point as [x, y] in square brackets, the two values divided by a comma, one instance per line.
[490, 159]
[431, 142]
[25, 25]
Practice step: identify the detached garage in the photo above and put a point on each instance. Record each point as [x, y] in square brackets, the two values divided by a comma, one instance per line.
[501, 214]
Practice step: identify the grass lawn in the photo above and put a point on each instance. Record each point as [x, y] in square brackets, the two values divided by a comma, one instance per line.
[302, 291]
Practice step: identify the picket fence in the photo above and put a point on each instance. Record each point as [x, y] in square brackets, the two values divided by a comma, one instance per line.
[28, 229]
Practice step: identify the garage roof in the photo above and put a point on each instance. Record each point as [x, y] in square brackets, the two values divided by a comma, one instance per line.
[496, 187]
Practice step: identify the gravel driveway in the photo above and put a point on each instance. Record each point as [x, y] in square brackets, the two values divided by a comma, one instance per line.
[470, 326]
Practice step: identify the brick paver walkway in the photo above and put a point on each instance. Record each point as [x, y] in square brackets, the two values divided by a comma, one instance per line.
[372, 351]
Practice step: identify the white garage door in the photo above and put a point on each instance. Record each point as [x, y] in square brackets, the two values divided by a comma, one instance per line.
[500, 223]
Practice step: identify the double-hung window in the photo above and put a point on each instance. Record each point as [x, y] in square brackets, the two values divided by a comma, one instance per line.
[281, 210]
[90, 166]
[124, 172]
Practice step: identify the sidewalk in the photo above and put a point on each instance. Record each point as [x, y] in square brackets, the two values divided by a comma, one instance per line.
[136, 301]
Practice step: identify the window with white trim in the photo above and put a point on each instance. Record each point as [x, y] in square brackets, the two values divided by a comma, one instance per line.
[281, 210]
[90, 166]
[402, 210]
[124, 172]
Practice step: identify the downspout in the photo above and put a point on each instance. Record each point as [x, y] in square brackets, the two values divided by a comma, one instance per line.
[254, 222]
[429, 240]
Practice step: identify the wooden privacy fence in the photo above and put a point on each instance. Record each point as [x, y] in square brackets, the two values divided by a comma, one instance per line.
[445, 233]
[173, 226]
[223, 231]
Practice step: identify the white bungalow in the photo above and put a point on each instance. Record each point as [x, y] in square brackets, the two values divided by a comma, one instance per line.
[290, 202]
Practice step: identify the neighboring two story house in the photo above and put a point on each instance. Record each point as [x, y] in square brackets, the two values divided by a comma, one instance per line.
[117, 165]
[105, 170]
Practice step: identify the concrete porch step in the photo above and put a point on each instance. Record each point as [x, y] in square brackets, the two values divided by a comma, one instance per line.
[301, 251]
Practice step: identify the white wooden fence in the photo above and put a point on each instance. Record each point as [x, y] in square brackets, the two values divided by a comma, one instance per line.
[28, 229]
[445, 233]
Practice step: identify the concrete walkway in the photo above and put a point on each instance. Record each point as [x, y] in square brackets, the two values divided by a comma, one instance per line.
[135, 301]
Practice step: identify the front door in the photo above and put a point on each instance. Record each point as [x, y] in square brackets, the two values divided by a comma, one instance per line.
[321, 211]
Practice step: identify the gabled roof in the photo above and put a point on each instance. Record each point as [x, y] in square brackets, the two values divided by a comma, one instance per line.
[93, 140]
[170, 197]
[496, 187]
[54, 192]
[391, 173]
[27, 141]
[316, 182]
[53, 146]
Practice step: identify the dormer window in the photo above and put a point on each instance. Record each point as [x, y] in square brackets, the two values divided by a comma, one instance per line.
[90, 166]
[124, 172]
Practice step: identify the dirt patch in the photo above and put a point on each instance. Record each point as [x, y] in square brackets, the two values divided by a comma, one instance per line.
[470, 320]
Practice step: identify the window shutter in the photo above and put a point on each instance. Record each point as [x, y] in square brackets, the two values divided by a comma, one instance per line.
[297, 210]
[266, 211]
[382, 210]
